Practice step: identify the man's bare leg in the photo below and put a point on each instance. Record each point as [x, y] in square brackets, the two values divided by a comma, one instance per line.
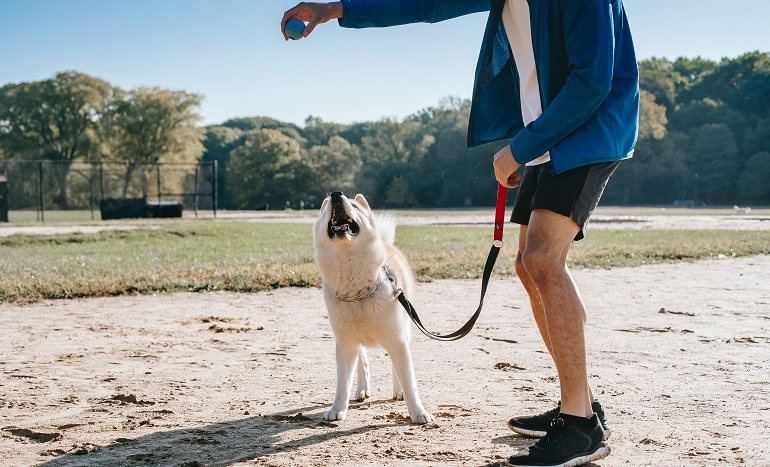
[536, 302]
[556, 303]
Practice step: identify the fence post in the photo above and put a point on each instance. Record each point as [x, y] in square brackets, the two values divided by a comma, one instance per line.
[157, 167]
[215, 191]
[40, 191]
[195, 199]
[91, 191]
[4, 202]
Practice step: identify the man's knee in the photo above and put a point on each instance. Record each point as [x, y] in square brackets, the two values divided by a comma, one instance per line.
[521, 271]
[540, 264]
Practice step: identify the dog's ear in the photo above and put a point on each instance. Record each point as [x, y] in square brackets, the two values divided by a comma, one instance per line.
[323, 205]
[362, 201]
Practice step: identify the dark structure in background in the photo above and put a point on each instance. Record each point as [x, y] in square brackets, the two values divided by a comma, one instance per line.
[165, 209]
[119, 208]
[3, 198]
[139, 208]
[117, 191]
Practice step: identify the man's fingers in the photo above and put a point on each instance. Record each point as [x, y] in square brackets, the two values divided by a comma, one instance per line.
[310, 26]
[286, 17]
[292, 13]
[299, 12]
[514, 180]
[511, 181]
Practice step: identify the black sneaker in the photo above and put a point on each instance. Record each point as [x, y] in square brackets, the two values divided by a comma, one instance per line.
[567, 443]
[536, 426]
[599, 411]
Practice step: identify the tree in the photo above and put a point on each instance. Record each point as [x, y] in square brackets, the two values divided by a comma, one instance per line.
[757, 138]
[450, 174]
[55, 119]
[657, 76]
[692, 70]
[395, 150]
[714, 157]
[266, 169]
[657, 174]
[259, 123]
[698, 113]
[652, 118]
[335, 168]
[146, 125]
[742, 83]
[754, 179]
[318, 133]
[218, 144]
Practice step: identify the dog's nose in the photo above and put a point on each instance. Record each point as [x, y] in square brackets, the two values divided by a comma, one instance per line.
[337, 194]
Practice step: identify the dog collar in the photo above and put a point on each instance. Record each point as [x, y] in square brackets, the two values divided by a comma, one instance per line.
[359, 297]
[368, 293]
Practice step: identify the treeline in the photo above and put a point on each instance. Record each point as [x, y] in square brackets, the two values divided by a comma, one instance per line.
[705, 133]
[704, 138]
[74, 117]
[420, 161]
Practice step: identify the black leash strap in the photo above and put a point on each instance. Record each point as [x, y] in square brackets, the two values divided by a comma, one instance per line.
[491, 258]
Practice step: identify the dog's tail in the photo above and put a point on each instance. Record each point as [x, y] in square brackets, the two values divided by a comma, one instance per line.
[386, 221]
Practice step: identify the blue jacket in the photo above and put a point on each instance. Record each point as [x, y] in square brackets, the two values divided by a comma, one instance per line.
[586, 65]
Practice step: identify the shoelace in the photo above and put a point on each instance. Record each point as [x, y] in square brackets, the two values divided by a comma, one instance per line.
[553, 434]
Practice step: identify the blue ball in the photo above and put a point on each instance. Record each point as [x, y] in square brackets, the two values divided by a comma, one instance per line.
[294, 28]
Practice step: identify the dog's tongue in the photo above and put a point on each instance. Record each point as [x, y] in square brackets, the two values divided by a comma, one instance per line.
[337, 228]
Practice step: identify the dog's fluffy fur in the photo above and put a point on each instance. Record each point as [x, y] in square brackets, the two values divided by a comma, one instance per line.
[352, 245]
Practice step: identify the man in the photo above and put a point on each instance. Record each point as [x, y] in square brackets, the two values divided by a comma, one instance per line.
[558, 78]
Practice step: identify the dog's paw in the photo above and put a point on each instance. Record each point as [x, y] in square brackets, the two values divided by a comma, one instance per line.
[398, 395]
[422, 418]
[333, 415]
[362, 394]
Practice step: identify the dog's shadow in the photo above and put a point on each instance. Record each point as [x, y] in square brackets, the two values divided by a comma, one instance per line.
[222, 443]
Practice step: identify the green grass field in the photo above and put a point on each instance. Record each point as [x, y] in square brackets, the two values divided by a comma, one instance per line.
[240, 256]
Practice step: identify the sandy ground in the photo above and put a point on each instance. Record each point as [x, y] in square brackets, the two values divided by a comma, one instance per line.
[679, 355]
[7, 231]
[636, 219]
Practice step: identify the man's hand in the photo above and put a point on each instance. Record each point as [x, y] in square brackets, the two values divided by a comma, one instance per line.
[313, 14]
[506, 167]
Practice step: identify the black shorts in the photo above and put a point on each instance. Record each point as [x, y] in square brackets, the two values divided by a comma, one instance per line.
[574, 193]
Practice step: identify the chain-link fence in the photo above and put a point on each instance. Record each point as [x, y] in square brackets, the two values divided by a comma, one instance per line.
[55, 185]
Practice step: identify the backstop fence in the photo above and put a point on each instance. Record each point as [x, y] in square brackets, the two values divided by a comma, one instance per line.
[59, 185]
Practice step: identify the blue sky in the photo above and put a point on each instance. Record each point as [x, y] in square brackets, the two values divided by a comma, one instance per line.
[232, 52]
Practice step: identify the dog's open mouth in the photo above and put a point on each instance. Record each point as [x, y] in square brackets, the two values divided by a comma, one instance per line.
[341, 223]
[342, 226]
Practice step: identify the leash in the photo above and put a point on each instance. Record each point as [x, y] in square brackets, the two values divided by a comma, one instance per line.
[497, 244]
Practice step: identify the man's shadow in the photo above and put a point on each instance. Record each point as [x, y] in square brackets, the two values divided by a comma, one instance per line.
[216, 444]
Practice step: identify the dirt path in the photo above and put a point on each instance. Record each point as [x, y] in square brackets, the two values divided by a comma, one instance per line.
[679, 355]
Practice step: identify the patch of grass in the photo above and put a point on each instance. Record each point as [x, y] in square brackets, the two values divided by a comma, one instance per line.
[246, 257]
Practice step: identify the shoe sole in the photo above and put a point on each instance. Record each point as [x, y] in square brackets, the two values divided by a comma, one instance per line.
[600, 453]
[540, 434]
[525, 432]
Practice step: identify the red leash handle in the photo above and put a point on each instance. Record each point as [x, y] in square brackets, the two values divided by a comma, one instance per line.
[502, 194]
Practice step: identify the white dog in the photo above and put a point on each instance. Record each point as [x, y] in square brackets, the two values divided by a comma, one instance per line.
[741, 210]
[360, 269]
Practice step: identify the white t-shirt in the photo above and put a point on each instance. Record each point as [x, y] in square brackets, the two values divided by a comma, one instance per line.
[519, 31]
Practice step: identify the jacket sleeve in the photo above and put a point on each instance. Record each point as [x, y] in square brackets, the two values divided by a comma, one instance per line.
[383, 13]
[588, 34]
